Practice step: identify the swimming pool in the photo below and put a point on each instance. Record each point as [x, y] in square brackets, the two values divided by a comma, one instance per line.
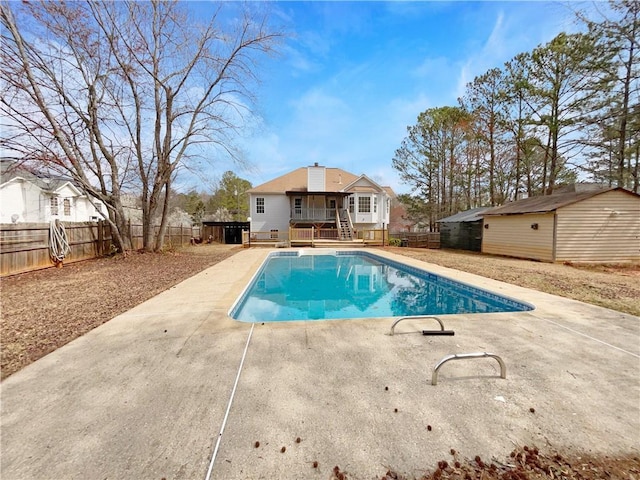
[322, 285]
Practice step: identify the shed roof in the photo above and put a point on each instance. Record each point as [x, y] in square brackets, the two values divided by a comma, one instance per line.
[549, 203]
[472, 215]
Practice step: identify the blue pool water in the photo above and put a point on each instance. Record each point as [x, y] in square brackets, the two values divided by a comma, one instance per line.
[356, 284]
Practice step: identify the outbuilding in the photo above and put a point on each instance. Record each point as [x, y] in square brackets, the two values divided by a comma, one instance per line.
[224, 232]
[463, 231]
[597, 226]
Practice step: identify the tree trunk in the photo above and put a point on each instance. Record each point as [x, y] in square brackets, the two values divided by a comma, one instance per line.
[625, 113]
[165, 216]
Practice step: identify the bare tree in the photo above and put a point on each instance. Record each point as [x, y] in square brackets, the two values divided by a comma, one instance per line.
[120, 93]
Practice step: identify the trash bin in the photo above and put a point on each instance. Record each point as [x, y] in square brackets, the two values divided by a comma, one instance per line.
[404, 242]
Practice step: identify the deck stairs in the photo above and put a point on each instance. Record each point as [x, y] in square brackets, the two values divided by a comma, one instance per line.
[345, 231]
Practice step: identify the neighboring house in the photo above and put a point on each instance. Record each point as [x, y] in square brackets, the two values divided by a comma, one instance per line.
[463, 231]
[581, 226]
[27, 197]
[398, 221]
[320, 197]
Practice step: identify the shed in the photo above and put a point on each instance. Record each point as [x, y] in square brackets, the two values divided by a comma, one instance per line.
[592, 226]
[463, 231]
[224, 232]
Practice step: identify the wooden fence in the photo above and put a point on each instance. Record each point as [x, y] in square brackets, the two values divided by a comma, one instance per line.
[418, 239]
[25, 246]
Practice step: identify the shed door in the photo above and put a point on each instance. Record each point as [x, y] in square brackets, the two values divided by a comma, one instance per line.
[233, 234]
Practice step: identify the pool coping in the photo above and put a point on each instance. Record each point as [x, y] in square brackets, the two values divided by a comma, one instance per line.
[145, 395]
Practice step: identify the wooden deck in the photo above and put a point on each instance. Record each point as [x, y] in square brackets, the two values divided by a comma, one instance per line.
[306, 243]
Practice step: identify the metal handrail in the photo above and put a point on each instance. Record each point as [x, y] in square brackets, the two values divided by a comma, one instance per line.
[416, 317]
[460, 356]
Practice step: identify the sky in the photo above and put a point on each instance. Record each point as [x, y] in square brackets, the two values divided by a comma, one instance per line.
[352, 76]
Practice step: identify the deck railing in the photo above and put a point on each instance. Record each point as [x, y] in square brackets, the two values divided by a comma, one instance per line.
[313, 214]
[373, 236]
[264, 238]
[312, 233]
[309, 235]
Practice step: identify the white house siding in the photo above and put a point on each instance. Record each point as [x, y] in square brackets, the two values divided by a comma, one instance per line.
[513, 236]
[316, 179]
[22, 199]
[275, 216]
[11, 203]
[83, 210]
[603, 228]
[362, 188]
[32, 204]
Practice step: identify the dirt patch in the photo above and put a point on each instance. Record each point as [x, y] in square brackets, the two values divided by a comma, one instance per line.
[45, 309]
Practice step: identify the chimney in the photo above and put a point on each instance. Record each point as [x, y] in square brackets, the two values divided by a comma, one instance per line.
[316, 178]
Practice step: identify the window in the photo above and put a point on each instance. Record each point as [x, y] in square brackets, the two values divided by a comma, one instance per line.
[351, 205]
[375, 204]
[67, 207]
[54, 205]
[297, 203]
[260, 205]
[274, 233]
[364, 204]
[363, 282]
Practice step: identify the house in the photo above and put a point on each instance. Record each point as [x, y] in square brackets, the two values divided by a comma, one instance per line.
[398, 218]
[29, 197]
[331, 202]
[463, 231]
[596, 226]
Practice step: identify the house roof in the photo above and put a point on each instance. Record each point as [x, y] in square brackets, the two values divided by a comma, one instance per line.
[472, 215]
[11, 170]
[549, 203]
[336, 180]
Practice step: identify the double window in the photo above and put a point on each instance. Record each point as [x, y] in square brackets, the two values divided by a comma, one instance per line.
[54, 202]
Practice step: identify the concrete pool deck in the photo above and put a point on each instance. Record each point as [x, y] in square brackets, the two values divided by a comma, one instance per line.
[146, 394]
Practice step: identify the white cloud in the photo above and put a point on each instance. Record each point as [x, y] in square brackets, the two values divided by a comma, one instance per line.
[517, 27]
[492, 54]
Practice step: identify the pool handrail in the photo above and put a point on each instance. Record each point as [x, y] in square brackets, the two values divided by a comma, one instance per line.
[416, 317]
[461, 356]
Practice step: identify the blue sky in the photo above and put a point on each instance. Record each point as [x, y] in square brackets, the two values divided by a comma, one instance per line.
[352, 76]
